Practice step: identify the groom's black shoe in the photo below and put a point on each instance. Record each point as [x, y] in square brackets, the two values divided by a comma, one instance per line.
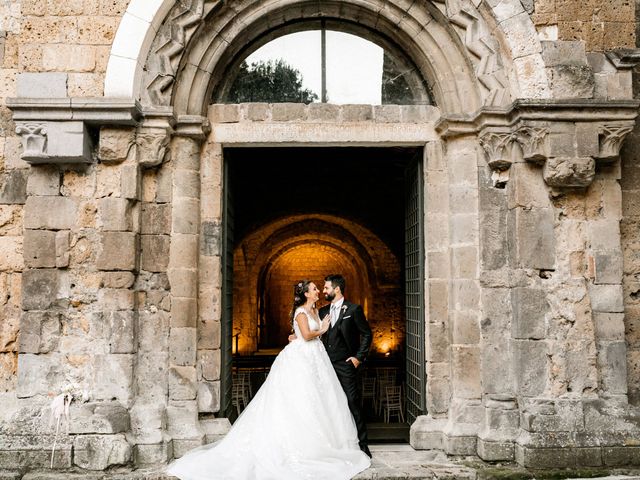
[366, 450]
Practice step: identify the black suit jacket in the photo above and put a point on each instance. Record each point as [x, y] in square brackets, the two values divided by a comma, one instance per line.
[354, 329]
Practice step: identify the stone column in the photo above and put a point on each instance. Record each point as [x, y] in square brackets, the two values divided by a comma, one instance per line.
[426, 431]
[182, 411]
[465, 411]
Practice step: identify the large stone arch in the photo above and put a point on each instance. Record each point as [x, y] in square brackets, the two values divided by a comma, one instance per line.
[471, 56]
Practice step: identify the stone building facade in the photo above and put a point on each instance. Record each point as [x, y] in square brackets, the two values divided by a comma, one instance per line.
[112, 219]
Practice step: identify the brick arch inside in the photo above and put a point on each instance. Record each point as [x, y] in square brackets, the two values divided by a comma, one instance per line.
[269, 260]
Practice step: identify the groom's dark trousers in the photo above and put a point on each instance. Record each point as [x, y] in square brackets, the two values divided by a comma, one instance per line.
[349, 337]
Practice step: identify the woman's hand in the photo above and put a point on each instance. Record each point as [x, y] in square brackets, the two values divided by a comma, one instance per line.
[324, 326]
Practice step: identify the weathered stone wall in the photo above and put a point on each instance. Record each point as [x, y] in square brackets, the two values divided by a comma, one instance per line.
[600, 24]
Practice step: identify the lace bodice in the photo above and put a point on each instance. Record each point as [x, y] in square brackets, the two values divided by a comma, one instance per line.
[314, 324]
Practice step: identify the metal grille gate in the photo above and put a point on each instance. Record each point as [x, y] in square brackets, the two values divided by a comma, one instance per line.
[227, 296]
[414, 291]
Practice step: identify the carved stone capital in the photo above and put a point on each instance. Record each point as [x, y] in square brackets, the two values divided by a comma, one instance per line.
[498, 145]
[153, 137]
[534, 142]
[610, 141]
[54, 142]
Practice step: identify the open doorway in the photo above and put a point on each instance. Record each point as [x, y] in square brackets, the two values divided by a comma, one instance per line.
[308, 212]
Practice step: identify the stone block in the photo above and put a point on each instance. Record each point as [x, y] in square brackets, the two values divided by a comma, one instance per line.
[114, 214]
[604, 235]
[608, 268]
[39, 332]
[184, 282]
[386, 113]
[531, 366]
[155, 218]
[186, 153]
[209, 334]
[357, 113]
[569, 171]
[182, 346]
[39, 289]
[37, 374]
[587, 136]
[182, 383]
[98, 417]
[115, 144]
[42, 85]
[258, 112]
[153, 331]
[116, 298]
[53, 213]
[122, 338]
[99, 452]
[152, 380]
[208, 397]
[529, 309]
[208, 365]
[612, 365]
[153, 455]
[497, 373]
[113, 377]
[215, 428]
[620, 456]
[438, 342]
[323, 112]
[464, 262]
[606, 298]
[224, 113]
[532, 238]
[186, 215]
[131, 182]
[12, 258]
[44, 180]
[63, 248]
[13, 190]
[565, 52]
[118, 251]
[186, 183]
[184, 251]
[148, 420]
[491, 451]
[609, 326]
[182, 420]
[155, 252]
[288, 112]
[465, 363]
[184, 312]
[465, 294]
[570, 81]
[117, 279]
[466, 327]
[211, 239]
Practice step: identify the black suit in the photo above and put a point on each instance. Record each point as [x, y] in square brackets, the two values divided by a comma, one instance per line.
[349, 337]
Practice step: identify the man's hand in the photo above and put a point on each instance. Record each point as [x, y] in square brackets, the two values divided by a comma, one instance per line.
[354, 360]
[292, 337]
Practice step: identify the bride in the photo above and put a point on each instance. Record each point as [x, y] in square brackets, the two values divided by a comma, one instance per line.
[298, 425]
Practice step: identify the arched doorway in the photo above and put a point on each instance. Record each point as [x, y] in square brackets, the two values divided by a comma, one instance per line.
[310, 230]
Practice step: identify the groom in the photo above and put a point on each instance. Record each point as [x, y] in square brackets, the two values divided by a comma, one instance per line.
[347, 342]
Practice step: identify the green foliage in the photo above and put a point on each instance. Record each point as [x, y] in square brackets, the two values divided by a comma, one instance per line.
[272, 82]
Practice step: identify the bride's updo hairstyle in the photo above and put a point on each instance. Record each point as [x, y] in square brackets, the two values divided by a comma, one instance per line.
[299, 289]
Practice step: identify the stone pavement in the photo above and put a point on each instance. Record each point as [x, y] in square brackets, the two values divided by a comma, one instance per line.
[390, 462]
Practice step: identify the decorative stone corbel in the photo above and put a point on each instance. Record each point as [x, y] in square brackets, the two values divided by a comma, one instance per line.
[610, 141]
[57, 130]
[34, 141]
[572, 172]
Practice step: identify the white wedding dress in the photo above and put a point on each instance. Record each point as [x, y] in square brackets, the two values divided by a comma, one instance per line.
[298, 426]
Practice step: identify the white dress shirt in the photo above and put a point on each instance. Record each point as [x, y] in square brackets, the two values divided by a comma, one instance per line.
[335, 311]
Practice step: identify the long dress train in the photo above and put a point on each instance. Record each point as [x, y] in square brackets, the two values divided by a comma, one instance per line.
[298, 426]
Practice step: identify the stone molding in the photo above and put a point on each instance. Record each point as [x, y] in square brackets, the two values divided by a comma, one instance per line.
[54, 130]
[624, 58]
[568, 138]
